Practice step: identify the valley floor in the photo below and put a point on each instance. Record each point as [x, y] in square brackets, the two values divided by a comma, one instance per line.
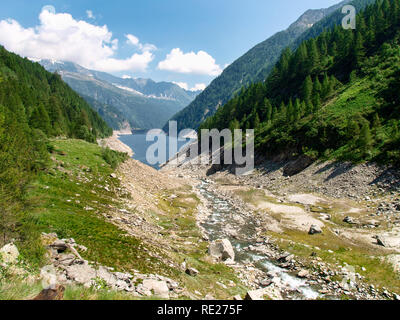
[355, 209]
[138, 233]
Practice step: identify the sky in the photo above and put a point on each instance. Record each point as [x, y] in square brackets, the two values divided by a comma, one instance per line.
[188, 42]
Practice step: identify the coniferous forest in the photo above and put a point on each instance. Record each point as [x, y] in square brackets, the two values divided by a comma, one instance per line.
[336, 96]
[35, 105]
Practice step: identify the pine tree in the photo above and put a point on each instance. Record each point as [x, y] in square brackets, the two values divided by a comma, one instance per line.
[313, 56]
[297, 110]
[256, 121]
[316, 101]
[353, 130]
[307, 88]
[234, 125]
[376, 122]
[358, 50]
[326, 87]
[290, 112]
[309, 108]
[40, 119]
[365, 141]
[317, 88]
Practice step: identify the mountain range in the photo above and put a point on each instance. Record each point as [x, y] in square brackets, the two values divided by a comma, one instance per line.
[125, 103]
[253, 66]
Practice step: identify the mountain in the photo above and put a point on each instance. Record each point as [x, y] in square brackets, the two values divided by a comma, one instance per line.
[335, 97]
[254, 66]
[135, 103]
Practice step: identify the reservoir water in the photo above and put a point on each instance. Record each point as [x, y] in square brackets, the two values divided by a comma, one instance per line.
[137, 142]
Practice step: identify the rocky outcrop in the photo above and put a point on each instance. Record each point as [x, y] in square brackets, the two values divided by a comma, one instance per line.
[155, 287]
[68, 268]
[222, 250]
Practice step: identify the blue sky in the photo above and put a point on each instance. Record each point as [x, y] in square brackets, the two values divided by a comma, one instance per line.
[185, 41]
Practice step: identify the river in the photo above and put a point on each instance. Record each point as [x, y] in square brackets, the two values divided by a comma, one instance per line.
[224, 219]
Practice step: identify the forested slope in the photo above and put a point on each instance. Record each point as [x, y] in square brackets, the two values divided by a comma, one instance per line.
[34, 105]
[252, 67]
[336, 96]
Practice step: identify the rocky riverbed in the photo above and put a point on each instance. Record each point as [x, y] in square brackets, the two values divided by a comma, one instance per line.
[315, 225]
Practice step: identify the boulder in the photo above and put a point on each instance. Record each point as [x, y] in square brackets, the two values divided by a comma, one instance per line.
[255, 295]
[192, 272]
[107, 276]
[48, 275]
[59, 245]
[303, 274]
[297, 165]
[381, 241]
[222, 250]
[81, 273]
[314, 229]
[159, 288]
[286, 257]
[66, 260]
[9, 253]
[349, 220]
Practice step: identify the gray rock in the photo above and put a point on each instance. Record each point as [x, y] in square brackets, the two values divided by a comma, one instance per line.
[83, 274]
[9, 253]
[59, 245]
[159, 288]
[222, 250]
[255, 295]
[303, 274]
[66, 260]
[349, 220]
[314, 229]
[192, 272]
[381, 241]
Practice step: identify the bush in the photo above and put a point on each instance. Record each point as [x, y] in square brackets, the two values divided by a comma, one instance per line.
[114, 158]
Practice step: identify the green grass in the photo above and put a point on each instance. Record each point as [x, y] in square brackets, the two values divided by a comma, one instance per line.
[61, 197]
[15, 288]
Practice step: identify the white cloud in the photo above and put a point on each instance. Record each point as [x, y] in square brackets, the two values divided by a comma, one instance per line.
[61, 37]
[90, 14]
[49, 8]
[133, 40]
[126, 77]
[197, 87]
[193, 63]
